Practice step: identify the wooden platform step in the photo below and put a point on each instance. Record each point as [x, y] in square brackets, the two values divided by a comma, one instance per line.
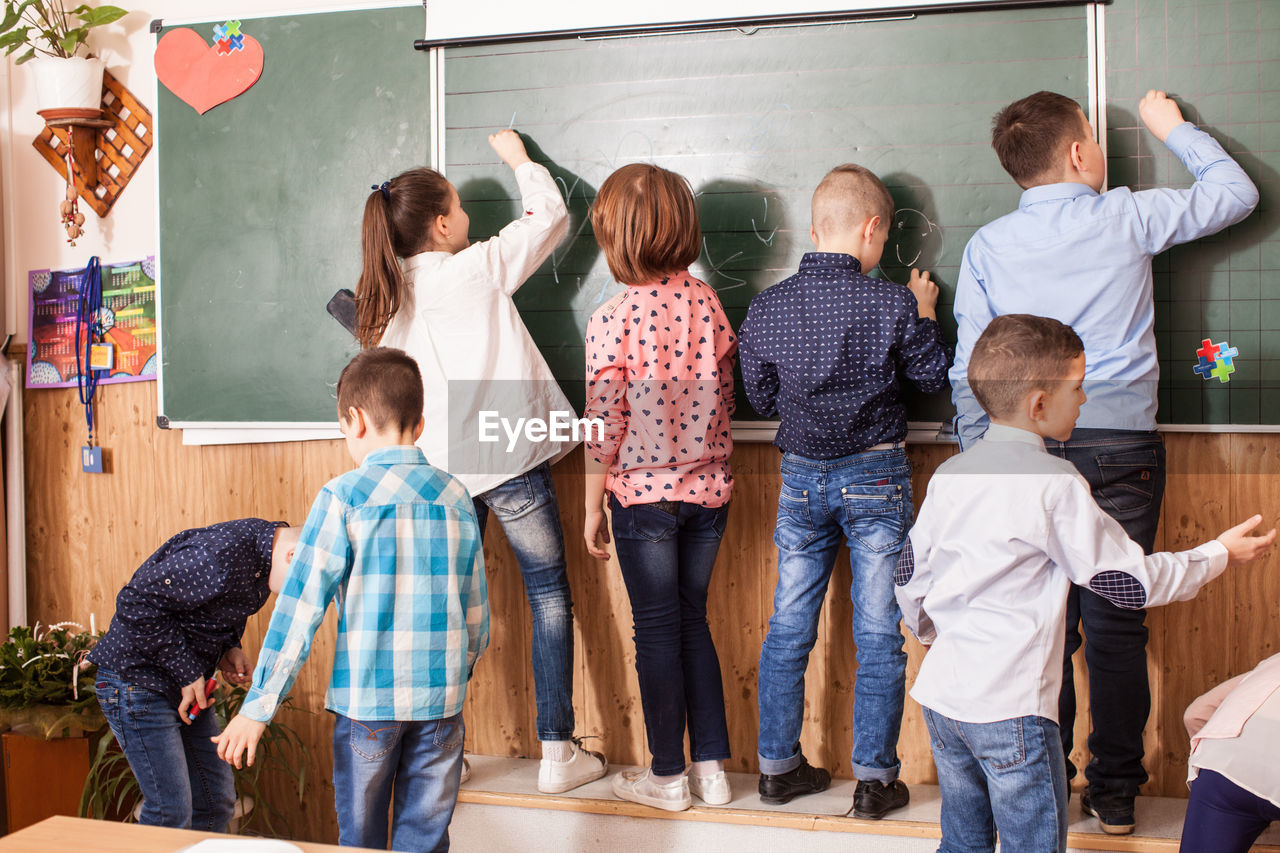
[500, 809]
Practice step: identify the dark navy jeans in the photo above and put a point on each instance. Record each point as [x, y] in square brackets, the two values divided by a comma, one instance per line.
[666, 552]
[526, 508]
[1126, 471]
[1222, 817]
[183, 782]
[866, 499]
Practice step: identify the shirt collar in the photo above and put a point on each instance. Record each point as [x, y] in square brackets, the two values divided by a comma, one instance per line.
[399, 454]
[1000, 432]
[1054, 192]
[422, 259]
[675, 278]
[829, 260]
[267, 540]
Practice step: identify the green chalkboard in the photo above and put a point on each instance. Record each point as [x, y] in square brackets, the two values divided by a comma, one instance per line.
[754, 121]
[1220, 59]
[260, 202]
[261, 197]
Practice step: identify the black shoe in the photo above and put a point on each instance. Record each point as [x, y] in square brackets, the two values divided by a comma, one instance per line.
[1115, 813]
[800, 780]
[874, 800]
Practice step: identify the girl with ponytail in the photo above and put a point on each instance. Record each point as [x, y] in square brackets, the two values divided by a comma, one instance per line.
[447, 303]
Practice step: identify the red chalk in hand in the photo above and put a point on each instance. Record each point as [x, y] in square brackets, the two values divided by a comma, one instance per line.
[209, 686]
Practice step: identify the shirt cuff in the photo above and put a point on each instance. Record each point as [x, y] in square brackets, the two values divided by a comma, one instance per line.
[1180, 138]
[1215, 552]
[259, 706]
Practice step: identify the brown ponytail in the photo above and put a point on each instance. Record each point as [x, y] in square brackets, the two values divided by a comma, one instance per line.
[397, 224]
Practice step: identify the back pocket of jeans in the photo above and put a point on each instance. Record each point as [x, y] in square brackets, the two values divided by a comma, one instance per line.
[373, 739]
[649, 522]
[448, 733]
[794, 528]
[875, 515]
[1003, 745]
[513, 496]
[1129, 480]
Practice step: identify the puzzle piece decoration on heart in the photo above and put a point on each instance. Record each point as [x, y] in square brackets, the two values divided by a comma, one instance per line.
[203, 75]
[1216, 361]
[227, 38]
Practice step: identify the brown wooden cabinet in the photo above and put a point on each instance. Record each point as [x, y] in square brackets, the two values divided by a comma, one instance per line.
[42, 778]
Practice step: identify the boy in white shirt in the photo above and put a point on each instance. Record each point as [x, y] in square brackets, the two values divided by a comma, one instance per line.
[1004, 531]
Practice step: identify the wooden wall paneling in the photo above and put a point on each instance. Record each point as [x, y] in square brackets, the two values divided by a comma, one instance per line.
[735, 605]
[1255, 627]
[502, 683]
[1190, 651]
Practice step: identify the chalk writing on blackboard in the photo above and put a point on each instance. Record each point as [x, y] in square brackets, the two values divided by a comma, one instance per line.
[915, 240]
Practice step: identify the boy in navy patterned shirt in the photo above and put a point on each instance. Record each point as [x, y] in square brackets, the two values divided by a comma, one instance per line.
[397, 543]
[823, 351]
[178, 619]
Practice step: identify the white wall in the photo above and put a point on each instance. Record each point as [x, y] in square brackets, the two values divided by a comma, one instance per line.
[33, 235]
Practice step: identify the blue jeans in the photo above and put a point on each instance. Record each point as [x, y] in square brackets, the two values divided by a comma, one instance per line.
[526, 508]
[1008, 776]
[1126, 471]
[1222, 817]
[866, 499]
[666, 552]
[183, 782]
[421, 760]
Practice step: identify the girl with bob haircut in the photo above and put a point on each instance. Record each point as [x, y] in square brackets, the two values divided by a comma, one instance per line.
[426, 290]
[660, 377]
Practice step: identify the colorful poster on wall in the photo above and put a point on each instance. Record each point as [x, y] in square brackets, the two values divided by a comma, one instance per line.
[127, 318]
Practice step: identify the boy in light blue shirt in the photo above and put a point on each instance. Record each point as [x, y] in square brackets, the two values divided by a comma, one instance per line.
[397, 543]
[1083, 257]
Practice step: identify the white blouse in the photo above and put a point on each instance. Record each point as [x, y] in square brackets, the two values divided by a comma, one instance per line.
[459, 322]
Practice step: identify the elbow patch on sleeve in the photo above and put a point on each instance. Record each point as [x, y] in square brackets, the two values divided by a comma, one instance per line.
[1120, 588]
[906, 565]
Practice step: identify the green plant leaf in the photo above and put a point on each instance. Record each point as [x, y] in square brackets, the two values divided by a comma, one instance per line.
[96, 17]
[72, 40]
[14, 40]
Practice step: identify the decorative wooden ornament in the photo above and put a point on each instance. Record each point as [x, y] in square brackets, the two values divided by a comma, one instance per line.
[106, 151]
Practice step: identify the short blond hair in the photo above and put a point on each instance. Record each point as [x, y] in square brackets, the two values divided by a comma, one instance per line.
[1017, 354]
[848, 196]
[646, 221]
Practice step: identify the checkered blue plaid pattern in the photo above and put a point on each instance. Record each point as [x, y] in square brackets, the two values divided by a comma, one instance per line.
[396, 544]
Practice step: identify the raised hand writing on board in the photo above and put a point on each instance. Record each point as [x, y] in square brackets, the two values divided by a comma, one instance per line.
[926, 293]
[1241, 547]
[1159, 113]
[510, 147]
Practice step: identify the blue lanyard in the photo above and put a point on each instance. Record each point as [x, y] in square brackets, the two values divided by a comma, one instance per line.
[89, 325]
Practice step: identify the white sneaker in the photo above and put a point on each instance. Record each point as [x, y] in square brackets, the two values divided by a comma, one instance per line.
[466, 771]
[712, 790]
[638, 787]
[556, 777]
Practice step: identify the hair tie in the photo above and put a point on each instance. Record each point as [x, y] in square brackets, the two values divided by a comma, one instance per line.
[386, 192]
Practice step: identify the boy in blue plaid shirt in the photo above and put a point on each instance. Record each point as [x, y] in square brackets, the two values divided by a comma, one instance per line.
[396, 542]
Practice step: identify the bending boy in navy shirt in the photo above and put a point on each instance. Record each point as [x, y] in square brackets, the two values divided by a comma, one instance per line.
[823, 351]
[177, 620]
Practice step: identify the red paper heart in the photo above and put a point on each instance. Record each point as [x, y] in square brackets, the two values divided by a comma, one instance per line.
[194, 71]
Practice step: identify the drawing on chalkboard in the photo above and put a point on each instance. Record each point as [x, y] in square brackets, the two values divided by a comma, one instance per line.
[1216, 361]
[915, 241]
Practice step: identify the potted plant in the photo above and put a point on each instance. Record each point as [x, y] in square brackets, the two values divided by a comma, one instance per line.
[47, 704]
[53, 37]
[111, 791]
[45, 689]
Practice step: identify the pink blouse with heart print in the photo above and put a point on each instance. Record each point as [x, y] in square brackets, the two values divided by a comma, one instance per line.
[660, 378]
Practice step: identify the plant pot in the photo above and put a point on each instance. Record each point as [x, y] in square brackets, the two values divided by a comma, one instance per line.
[74, 83]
